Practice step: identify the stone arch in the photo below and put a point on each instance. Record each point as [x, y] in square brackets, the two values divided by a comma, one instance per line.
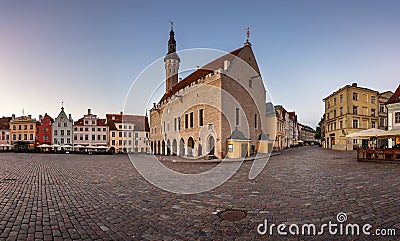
[190, 147]
[181, 147]
[163, 148]
[168, 147]
[210, 147]
[200, 150]
[158, 148]
[174, 147]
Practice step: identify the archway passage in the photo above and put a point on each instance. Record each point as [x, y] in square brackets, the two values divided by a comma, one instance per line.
[210, 145]
[200, 150]
[163, 148]
[181, 147]
[174, 148]
[158, 148]
[190, 146]
[168, 148]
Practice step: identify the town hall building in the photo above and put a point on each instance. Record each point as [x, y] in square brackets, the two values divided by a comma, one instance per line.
[218, 110]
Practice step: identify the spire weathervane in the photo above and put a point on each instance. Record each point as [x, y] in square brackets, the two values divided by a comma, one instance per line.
[172, 25]
[247, 36]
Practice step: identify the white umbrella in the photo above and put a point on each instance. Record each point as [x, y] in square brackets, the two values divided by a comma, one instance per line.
[390, 133]
[44, 145]
[79, 146]
[373, 132]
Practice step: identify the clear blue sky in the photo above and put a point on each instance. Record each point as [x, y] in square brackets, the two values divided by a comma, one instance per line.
[87, 53]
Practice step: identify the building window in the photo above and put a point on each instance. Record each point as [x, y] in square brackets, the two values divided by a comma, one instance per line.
[65, 124]
[175, 125]
[237, 116]
[191, 119]
[186, 121]
[255, 121]
[68, 132]
[104, 137]
[81, 137]
[327, 116]
[120, 142]
[341, 110]
[340, 124]
[334, 113]
[62, 132]
[136, 135]
[93, 122]
[14, 137]
[355, 96]
[329, 104]
[397, 117]
[341, 98]
[230, 148]
[68, 140]
[75, 129]
[130, 143]
[120, 134]
[381, 108]
[86, 137]
[86, 122]
[31, 137]
[45, 138]
[136, 143]
[75, 137]
[250, 83]
[55, 132]
[179, 123]
[93, 129]
[373, 125]
[113, 142]
[201, 117]
[86, 129]
[355, 124]
[373, 99]
[355, 110]
[334, 101]
[99, 137]
[373, 112]
[129, 134]
[355, 141]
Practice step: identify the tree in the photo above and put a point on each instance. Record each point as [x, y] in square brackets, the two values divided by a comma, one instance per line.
[318, 133]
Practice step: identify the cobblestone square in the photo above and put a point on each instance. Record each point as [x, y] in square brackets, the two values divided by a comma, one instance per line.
[85, 197]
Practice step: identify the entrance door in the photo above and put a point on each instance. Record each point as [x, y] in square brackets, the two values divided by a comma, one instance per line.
[244, 150]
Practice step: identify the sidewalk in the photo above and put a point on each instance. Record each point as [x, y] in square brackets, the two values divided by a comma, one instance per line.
[178, 159]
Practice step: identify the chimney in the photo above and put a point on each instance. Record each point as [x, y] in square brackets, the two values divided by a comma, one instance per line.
[30, 116]
[40, 118]
[89, 111]
[354, 84]
[197, 67]
[121, 113]
[180, 79]
[226, 64]
[69, 116]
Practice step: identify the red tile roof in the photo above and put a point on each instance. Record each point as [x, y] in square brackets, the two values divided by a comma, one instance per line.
[202, 72]
[395, 98]
[5, 123]
[141, 122]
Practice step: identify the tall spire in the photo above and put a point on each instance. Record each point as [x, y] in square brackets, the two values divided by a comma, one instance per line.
[171, 41]
[171, 61]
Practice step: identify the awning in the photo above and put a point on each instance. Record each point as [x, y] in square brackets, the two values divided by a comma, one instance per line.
[373, 132]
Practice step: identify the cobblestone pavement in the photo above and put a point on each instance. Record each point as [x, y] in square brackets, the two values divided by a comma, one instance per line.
[58, 197]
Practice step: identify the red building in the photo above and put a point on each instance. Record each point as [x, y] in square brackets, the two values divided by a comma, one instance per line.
[43, 130]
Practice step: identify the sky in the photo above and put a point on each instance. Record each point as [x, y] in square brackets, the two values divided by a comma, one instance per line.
[87, 54]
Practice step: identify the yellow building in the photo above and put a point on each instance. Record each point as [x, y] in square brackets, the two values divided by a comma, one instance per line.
[348, 110]
[23, 131]
[128, 133]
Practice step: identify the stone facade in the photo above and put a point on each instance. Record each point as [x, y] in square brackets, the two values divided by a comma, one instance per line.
[44, 130]
[5, 137]
[23, 129]
[63, 129]
[90, 131]
[196, 116]
[128, 133]
[348, 110]
[393, 109]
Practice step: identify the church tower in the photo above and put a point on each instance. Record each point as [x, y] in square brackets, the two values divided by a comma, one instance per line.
[171, 62]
